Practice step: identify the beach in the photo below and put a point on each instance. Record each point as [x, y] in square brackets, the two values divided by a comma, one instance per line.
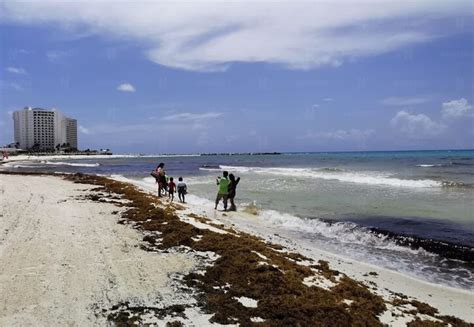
[62, 258]
[87, 250]
[409, 211]
[169, 163]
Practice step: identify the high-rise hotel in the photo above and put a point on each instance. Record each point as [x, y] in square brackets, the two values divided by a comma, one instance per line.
[44, 129]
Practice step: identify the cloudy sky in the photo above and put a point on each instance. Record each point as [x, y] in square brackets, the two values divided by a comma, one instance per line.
[152, 77]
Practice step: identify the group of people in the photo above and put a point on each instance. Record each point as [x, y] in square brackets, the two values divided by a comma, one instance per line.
[227, 186]
[167, 184]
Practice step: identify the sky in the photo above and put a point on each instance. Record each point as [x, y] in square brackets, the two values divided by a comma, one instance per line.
[244, 76]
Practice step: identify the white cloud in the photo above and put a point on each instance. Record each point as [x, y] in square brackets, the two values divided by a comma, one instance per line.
[342, 135]
[84, 130]
[403, 101]
[456, 109]
[16, 70]
[327, 99]
[190, 117]
[126, 87]
[416, 125]
[209, 35]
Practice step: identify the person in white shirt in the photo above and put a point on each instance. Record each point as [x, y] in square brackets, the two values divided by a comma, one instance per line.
[182, 189]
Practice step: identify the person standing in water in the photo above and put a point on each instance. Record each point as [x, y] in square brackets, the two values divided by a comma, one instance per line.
[182, 190]
[223, 191]
[171, 189]
[160, 177]
[232, 187]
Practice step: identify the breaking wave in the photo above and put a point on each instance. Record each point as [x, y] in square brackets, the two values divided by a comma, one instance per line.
[430, 165]
[370, 178]
[59, 163]
[344, 232]
[210, 168]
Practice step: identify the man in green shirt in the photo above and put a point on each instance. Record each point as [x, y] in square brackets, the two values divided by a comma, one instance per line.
[223, 192]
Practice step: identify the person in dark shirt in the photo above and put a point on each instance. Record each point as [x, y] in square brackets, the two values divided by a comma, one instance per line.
[160, 177]
[232, 187]
[171, 189]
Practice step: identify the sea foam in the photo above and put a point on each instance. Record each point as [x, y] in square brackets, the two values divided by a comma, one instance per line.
[59, 163]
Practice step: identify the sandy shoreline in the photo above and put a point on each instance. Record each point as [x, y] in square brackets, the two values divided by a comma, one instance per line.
[64, 258]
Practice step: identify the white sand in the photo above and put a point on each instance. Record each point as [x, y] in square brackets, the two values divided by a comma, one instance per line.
[62, 260]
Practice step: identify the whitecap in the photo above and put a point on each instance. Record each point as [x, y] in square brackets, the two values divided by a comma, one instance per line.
[59, 163]
[429, 165]
[370, 178]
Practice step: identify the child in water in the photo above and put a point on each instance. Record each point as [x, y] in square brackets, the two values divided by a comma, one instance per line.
[182, 189]
[171, 189]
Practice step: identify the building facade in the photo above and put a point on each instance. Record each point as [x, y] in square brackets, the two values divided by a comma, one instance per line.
[71, 132]
[43, 129]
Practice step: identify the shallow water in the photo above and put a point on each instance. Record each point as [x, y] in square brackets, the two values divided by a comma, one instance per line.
[352, 204]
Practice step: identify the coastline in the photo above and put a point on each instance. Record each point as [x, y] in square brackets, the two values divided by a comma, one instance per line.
[24, 157]
[215, 272]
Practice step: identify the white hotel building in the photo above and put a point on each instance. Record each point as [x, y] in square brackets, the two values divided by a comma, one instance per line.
[43, 128]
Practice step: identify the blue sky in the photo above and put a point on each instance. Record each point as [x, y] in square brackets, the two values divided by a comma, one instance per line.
[202, 78]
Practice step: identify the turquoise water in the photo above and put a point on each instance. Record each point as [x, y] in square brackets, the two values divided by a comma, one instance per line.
[338, 186]
[358, 204]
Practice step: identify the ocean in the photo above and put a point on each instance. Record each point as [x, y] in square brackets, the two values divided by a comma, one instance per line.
[408, 211]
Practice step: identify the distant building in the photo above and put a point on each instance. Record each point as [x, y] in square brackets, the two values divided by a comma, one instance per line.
[43, 129]
[71, 132]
